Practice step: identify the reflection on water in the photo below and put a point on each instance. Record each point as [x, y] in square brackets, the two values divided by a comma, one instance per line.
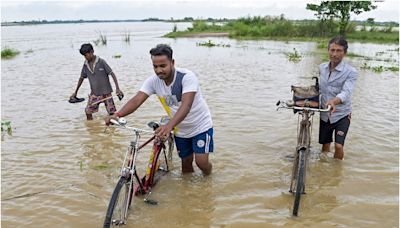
[65, 167]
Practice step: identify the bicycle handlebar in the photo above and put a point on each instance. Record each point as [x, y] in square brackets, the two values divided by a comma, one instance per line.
[290, 105]
[122, 123]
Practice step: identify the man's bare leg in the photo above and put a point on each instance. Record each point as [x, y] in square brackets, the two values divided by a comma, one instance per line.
[89, 116]
[326, 147]
[203, 163]
[187, 164]
[339, 152]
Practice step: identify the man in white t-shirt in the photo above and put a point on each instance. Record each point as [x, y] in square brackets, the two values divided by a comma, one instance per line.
[179, 93]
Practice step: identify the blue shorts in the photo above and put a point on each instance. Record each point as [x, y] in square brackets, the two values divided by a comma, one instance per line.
[201, 144]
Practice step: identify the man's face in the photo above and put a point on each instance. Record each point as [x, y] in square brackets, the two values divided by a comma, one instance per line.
[89, 56]
[163, 67]
[336, 53]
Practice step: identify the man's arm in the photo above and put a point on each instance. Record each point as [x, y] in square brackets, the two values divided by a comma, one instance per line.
[78, 86]
[333, 102]
[181, 113]
[131, 106]
[117, 90]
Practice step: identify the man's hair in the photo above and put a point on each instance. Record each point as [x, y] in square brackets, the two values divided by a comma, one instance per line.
[162, 49]
[85, 48]
[339, 40]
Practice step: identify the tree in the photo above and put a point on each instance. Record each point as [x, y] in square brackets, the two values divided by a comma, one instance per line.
[340, 10]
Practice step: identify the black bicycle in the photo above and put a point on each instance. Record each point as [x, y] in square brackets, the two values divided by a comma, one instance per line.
[305, 103]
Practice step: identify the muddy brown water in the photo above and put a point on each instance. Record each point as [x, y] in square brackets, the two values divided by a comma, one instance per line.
[59, 170]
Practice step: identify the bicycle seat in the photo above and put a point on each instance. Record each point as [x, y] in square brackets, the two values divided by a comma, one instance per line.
[153, 125]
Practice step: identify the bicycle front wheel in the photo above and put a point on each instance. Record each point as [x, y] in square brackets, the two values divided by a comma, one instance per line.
[299, 180]
[121, 199]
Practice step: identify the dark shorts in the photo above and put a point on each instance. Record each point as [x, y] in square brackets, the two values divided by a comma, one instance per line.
[340, 128]
[109, 103]
[201, 143]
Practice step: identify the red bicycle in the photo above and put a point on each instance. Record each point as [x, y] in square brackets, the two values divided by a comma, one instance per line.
[130, 183]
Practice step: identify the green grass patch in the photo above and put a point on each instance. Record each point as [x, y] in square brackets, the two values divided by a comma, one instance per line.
[279, 28]
[379, 69]
[8, 53]
[6, 127]
[374, 37]
[293, 56]
[394, 69]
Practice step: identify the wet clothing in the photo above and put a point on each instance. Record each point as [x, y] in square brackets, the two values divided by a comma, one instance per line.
[338, 83]
[340, 128]
[98, 77]
[200, 144]
[109, 103]
[198, 120]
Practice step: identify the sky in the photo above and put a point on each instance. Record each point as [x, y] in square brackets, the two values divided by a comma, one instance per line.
[16, 10]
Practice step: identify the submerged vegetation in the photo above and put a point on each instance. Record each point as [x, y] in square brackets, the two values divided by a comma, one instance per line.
[293, 56]
[379, 69]
[101, 40]
[6, 127]
[127, 37]
[210, 43]
[8, 53]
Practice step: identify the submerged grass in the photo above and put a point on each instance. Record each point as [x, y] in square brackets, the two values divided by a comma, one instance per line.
[210, 43]
[101, 40]
[8, 53]
[293, 56]
[126, 37]
[379, 69]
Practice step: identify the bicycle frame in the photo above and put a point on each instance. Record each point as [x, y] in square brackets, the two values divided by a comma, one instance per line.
[128, 169]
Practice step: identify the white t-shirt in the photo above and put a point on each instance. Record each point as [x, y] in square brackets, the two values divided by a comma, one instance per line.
[198, 120]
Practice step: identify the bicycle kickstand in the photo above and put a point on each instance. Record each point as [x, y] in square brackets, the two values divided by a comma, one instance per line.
[150, 201]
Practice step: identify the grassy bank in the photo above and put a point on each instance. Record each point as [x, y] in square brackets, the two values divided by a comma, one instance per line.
[280, 28]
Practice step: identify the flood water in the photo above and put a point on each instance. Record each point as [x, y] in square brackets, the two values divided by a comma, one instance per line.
[59, 170]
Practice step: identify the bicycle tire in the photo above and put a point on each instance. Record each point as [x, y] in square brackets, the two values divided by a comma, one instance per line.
[299, 181]
[118, 204]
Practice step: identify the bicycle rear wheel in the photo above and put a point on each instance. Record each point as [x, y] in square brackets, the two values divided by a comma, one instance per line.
[299, 181]
[120, 201]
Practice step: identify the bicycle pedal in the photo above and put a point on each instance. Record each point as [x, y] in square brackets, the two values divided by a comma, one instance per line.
[150, 201]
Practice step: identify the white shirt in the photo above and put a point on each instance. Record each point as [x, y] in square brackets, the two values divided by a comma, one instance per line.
[198, 120]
